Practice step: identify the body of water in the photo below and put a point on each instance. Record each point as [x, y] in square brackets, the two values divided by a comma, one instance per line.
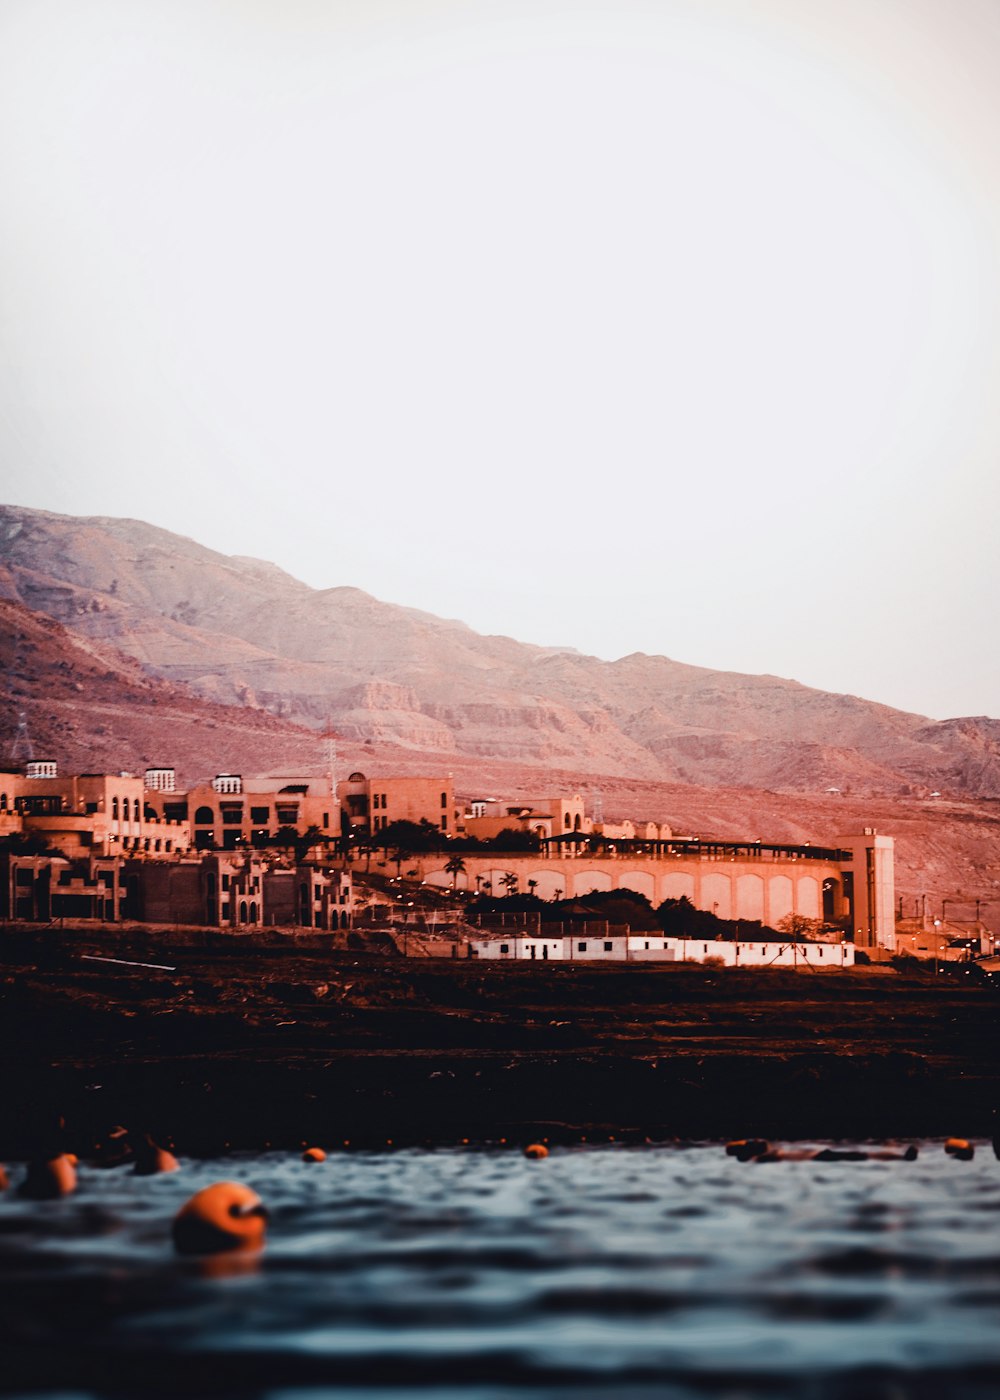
[475, 1274]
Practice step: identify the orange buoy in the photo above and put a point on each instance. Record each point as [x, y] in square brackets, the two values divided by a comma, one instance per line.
[4, 1180]
[745, 1149]
[536, 1150]
[49, 1178]
[314, 1154]
[221, 1217]
[151, 1159]
[961, 1148]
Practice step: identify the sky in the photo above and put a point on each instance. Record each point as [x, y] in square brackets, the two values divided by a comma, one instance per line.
[627, 325]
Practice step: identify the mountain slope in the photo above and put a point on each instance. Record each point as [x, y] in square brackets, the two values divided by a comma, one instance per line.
[243, 632]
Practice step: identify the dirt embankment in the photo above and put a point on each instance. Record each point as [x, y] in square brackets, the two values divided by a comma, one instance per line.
[242, 1047]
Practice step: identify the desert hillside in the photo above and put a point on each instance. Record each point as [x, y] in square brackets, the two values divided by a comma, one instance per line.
[92, 708]
[241, 632]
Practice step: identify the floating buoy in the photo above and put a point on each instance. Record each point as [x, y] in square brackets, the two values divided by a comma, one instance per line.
[745, 1149]
[961, 1148]
[4, 1180]
[221, 1217]
[151, 1159]
[314, 1154]
[49, 1178]
[536, 1150]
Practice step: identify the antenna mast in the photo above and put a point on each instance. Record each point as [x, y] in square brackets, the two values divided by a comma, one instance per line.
[21, 750]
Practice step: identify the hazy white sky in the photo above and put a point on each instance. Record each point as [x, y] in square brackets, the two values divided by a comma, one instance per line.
[669, 326]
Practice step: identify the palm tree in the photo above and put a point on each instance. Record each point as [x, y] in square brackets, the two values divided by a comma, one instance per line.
[455, 867]
[532, 886]
[509, 882]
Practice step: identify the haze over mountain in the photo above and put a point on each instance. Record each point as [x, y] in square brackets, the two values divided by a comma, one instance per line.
[241, 632]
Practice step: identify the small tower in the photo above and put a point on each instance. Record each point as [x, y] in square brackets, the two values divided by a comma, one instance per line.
[21, 750]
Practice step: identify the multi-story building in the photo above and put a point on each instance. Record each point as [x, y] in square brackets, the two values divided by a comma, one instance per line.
[41, 888]
[371, 804]
[221, 890]
[87, 814]
[232, 812]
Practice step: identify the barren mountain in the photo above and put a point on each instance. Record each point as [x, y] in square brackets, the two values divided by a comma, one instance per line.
[91, 708]
[242, 632]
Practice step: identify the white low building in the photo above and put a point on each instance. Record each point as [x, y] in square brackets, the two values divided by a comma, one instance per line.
[643, 947]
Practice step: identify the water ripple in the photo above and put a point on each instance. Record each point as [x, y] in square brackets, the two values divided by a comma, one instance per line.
[477, 1275]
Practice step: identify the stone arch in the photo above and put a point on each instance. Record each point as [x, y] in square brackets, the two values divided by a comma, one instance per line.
[640, 881]
[808, 898]
[679, 884]
[547, 882]
[243, 911]
[780, 899]
[750, 897]
[253, 911]
[588, 880]
[717, 896]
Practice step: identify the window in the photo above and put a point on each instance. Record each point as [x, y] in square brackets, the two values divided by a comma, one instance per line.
[581, 947]
[204, 816]
[135, 809]
[444, 799]
[444, 823]
[114, 809]
[232, 816]
[505, 947]
[225, 882]
[260, 815]
[608, 947]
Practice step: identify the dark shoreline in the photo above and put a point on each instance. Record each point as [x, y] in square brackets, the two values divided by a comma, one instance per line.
[243, 1048]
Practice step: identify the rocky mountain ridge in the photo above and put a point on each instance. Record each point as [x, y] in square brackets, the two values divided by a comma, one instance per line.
[242, 632]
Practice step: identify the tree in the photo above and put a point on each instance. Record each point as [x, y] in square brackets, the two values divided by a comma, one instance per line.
[798, 926]
[509, 882]
[312, 836]
[285, 836]
[455, 867]
[409, 836]
[532, 886]
[511, 839]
